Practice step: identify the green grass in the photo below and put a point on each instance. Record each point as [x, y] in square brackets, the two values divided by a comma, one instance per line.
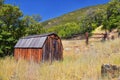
[80, 63]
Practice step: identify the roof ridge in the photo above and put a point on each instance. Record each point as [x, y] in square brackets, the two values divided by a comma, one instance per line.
[39, 35]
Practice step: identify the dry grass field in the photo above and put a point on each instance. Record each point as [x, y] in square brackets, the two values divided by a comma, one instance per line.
[80, 62]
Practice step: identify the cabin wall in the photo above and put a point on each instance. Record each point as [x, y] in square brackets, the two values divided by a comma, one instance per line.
[46, 50]
[56, 50]
[28, 54]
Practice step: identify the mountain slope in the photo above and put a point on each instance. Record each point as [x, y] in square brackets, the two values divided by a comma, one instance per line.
[74, 16]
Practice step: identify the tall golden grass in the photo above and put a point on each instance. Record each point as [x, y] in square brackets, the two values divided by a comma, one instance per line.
[80, 63]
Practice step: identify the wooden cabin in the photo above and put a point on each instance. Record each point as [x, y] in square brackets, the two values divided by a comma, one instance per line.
[39, 48]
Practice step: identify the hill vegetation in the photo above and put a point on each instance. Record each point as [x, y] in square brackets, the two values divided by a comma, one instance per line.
[86, 20]
[74, 16]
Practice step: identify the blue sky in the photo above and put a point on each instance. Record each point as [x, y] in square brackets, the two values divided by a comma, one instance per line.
[48, 9]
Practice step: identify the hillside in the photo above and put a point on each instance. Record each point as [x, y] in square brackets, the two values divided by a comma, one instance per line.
[74, 16]
[85, 20]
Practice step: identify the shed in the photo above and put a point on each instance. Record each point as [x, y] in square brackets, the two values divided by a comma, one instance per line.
[39, 48]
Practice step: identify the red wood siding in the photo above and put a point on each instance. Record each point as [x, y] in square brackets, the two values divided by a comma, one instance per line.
[28, 54]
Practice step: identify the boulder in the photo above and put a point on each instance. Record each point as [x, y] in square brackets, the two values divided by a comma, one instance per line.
[109, 70]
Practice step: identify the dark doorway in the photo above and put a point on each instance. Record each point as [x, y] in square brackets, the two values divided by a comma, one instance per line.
[55, 49]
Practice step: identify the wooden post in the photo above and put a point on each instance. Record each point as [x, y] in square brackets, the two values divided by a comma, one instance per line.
[105, 36]
[119, 34]
[87, 38]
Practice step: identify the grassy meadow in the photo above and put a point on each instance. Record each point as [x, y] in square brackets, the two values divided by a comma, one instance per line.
[80, 63]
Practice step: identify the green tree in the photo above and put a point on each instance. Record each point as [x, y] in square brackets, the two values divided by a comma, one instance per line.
[111, 19]
[10, 23]
[13, 26]
[32, 25]
[66, 30]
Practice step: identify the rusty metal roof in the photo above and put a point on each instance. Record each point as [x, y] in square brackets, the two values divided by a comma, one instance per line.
[33, 42]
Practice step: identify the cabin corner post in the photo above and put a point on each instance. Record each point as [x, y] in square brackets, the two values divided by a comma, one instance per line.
[51, 51]
[43, 54]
